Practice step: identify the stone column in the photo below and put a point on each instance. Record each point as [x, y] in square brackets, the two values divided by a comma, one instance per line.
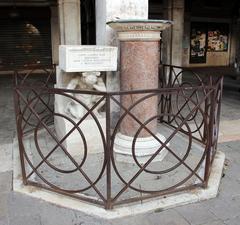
[139, 41]
[107, 10]
[139, 70]
[173, 38]
[70, 31]
[55, 34]
[70, 22]
[234, 42]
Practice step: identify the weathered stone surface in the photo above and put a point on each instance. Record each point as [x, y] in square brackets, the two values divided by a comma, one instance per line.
[87, 58]
[168, 217]
[232, 221]
[139, 70]
[216, 222]
[3, 206]
[196, 214]
[226, 210]
[25, 220]
[6, 182]
[4, 221]
[6, 157]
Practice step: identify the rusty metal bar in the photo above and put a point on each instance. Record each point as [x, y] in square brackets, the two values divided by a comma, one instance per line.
[20, 136]
[170, 90]
[164, 145]
[108, 149]
[63, 148]
[210, 137]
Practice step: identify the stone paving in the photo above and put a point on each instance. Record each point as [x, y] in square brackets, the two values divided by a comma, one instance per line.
[94, 162]
[17, 209]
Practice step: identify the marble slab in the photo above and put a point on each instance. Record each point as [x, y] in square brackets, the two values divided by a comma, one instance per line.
[83, 58]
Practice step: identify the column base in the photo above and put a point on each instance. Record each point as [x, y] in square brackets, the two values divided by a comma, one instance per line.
[144, 148]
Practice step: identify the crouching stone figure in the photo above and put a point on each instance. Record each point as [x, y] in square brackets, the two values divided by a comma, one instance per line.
[87, 81]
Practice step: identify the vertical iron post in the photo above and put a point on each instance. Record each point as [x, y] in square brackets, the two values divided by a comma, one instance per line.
[108, 152]
[19, 132]
[210, 134]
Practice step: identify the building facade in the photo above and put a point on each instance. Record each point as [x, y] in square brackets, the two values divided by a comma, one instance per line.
[205, 33]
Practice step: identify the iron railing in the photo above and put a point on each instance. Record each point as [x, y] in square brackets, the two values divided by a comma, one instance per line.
[188, 117]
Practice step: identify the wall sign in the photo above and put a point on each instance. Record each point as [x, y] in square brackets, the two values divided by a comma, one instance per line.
[207, 37]
[218, 37]
[198, 42]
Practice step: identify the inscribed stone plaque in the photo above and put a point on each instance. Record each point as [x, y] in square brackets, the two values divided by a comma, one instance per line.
[83, 58]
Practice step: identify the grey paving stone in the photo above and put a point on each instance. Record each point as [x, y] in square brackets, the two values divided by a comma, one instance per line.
[59, 216]
[5, 154]
[226, 210]
[5, 181]
[233, 221]
[3, 206]
[216, 222]
[23, 205]
[51, 214]
[25, 220]
[4, 221]
[47, 214]
[196, 214]
[229, 188]
[133, 220]
[233, 170]
[212, 202]
[231, 149]
[168, 217]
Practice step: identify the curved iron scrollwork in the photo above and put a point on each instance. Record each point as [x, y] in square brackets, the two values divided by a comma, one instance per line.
[188, 117]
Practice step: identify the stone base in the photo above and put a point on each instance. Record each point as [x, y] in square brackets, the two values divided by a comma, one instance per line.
[144, 148]
[74, 143]
[160, 203]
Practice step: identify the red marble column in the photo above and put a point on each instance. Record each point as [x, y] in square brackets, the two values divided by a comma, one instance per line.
[140, 58]
[139, 70]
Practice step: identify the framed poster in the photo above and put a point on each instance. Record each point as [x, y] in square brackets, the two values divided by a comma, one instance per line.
[218, 37]
[198, 42]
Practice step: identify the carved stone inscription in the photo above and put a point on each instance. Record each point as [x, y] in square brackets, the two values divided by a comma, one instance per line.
[142, 27]
[88, 58]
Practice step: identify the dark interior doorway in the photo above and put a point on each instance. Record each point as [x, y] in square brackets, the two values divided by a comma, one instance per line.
[88, 22]
[25, 37]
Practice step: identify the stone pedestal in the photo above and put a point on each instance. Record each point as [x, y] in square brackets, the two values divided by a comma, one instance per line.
[75, 141]
[70, 34]
[140, 57]
[70, 108]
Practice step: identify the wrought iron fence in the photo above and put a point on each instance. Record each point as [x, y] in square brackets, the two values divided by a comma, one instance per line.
[188, 117]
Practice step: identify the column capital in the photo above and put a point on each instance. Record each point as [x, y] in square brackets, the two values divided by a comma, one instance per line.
[69, 1]
[139, 36]
[139, 25]
[139, 30]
